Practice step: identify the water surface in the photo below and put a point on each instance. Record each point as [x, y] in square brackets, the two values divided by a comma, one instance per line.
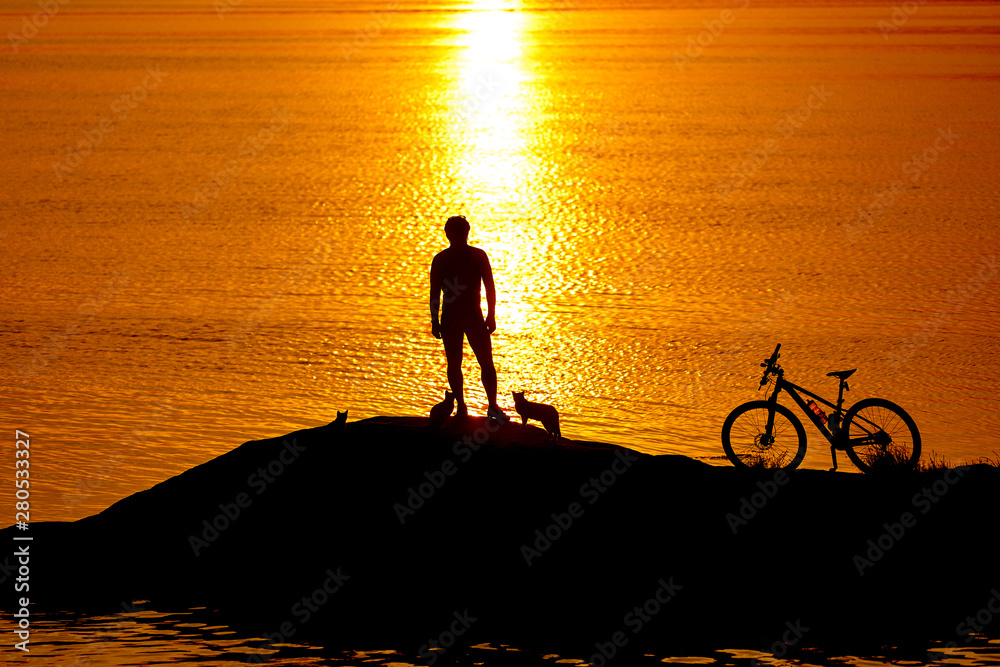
[247, 250]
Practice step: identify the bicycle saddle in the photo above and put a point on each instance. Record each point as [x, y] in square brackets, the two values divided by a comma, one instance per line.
[843, 375]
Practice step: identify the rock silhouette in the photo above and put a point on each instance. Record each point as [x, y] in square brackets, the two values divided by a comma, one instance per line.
[397, 531]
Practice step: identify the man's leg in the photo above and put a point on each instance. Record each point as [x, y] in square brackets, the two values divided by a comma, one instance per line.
[454, 338]
[482, 346]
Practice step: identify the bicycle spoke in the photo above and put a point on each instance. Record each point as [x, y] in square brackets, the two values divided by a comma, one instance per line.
[755, 446]
[882, 435]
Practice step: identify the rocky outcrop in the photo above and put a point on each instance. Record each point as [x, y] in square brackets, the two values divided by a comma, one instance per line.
[392, 532]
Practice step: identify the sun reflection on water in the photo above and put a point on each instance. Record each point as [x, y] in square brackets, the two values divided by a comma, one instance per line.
[492, 126]
[491, 118]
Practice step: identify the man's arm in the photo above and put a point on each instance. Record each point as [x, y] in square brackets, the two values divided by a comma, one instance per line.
[435, 298]
[491, 294]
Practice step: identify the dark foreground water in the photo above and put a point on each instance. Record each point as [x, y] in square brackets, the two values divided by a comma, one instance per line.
[199, 637]
[245, 251]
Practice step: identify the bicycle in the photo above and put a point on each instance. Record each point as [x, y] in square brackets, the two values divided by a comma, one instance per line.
[875, 433]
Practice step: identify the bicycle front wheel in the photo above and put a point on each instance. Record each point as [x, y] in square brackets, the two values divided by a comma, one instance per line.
[881, 436]
[750, 445]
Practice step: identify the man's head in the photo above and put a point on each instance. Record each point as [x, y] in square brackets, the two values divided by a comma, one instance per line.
[457, 229]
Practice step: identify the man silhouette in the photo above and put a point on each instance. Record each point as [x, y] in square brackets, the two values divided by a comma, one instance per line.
[458, 271]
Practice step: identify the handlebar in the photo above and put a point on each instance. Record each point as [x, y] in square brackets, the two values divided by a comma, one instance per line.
[769, 365]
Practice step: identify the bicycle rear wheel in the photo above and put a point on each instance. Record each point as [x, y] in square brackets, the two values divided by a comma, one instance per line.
[881, 436]
[748, 444]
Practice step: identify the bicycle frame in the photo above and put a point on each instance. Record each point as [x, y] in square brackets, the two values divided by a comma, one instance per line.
[834, 437]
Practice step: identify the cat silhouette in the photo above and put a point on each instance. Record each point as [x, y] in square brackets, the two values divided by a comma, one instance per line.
[442, 410]
[546, 414]
[340, 423]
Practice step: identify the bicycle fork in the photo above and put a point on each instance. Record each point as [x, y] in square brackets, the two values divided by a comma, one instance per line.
[769, 426]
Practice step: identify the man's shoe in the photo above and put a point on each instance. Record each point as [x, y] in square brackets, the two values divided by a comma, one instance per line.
[461, 411]
[496, 414]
